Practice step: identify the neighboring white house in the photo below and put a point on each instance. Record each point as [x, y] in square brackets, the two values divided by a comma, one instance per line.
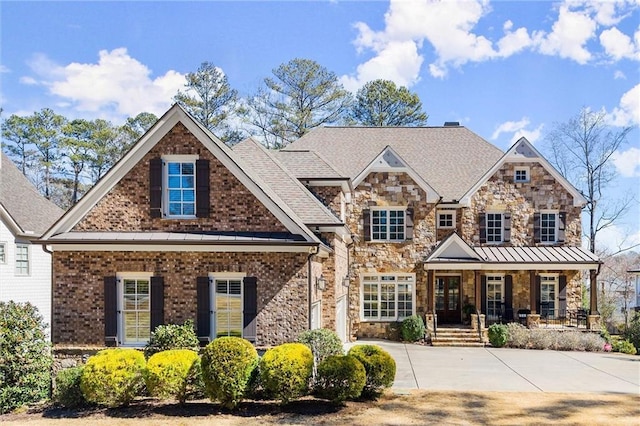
[25, 268]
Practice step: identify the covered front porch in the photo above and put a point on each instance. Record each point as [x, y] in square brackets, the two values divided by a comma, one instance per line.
[539, 286]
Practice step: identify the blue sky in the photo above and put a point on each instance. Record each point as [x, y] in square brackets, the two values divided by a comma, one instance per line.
[504, 69]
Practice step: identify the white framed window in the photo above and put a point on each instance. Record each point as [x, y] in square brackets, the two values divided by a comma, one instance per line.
[521, 174]
[227, 301]
[134, 307]
[22, 259]
[548, 227]
[548, 294]
[179, 184]
[495, 295]
[494, 227]
[386, 297]
[388, 225]
[447, 219]
[3, 253]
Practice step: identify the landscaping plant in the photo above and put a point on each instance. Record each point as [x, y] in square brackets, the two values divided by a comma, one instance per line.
[172, 336]
[633, 332]
[172, 374]
[498, 335]
[413, 328]
[25, 356]
[340, 377]
[323, 343]
[624, 346]
[113, 377]
[67, 391]
[228, 366]
[285, 371]
[380, 368]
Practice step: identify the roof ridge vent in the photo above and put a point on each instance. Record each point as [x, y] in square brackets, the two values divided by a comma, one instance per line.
[451, 124]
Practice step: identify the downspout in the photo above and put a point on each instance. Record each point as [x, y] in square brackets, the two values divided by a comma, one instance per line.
[312, 252]
[349, 288]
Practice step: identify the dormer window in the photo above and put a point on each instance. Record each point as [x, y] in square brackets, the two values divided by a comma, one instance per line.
[521, 175]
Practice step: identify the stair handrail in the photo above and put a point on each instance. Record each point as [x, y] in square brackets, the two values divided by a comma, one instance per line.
[479, 324]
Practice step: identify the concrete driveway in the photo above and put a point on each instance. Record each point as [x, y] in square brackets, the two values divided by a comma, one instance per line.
[511, 370]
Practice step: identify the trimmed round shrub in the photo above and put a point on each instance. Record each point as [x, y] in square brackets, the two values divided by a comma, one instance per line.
[413, 328]
[113, 377]
[67, 392]
[322, 342]
[172, 373]
[172, 336]
[379, 365]
[228, 366]
[340, 377]
[25, 357]
[285, 371]
[624, 346]
[498, 335]
[633, 331]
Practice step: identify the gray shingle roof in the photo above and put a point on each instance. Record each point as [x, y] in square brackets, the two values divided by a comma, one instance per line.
[284, 184]
[307, 164]
[33, 213]
[449, 159]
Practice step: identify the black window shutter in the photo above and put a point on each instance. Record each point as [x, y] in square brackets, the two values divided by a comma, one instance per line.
[562, 219]
[536, 227]
[157, 302]
[203, 316]
[203, 204]
[250, 308]
[538, 287]
[562, 295]
[155, 187]
[482, 223]
[366, 224]
[508, 297]
[507, 227]
[110, 311]
[483, 294]
[409, 224]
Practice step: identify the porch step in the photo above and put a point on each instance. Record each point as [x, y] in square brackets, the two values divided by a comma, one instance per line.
[456, 337]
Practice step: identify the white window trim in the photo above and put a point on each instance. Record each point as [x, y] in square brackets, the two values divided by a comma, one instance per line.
[380, 318]
[557, 222]
[213, 276]
[5, 252]
[388, 209]
[501, 213]
[502, 289]
[120, 277]
[526, 169]
[447, 212]
[165, 184]
[15, 269]
[556, 281]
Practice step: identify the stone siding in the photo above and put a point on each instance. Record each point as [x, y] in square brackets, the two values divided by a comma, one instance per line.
[78, 290]
[330, 196]
[500, 193]
[126, 207]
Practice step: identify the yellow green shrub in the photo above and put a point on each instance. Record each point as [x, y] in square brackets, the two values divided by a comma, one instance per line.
[172, 374]
[340, 377]
[285, 371]
[379, 366]
[113, 377]
[228, 364]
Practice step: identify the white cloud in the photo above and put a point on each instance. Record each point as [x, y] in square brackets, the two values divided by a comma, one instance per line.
[518, 129]
[628, 111]
[568, 36]
[619, 45]
[616, 237]
[619, 75]
[627, 162]
[29, 81]
[4, 69]
[116, 86]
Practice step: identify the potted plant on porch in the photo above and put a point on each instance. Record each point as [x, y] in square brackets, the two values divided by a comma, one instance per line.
[467, 310]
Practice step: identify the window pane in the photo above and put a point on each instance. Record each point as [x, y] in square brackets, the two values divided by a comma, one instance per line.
[188, 210]
[174, 182]
[175, 195]
[174, 168]
[188, 196]
[187, 181]
[187, 168]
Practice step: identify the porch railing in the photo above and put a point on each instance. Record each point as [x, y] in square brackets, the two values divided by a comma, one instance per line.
[548, 317]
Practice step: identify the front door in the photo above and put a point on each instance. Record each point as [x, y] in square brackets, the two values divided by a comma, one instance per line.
[447, 293]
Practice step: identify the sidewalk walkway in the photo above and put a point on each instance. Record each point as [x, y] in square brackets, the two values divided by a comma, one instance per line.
[511, 370]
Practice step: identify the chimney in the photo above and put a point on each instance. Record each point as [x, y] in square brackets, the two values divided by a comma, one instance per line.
[451, 124]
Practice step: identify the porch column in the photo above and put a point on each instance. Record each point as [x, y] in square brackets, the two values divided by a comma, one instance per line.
[532, 291]
[430, 292]
[593, 305]
[478, 287]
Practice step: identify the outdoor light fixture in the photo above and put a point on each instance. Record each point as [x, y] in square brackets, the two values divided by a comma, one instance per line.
[321, 283]
[346, 280]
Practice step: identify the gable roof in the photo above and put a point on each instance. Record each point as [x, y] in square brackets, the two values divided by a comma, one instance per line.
[305, 164]
[230, 160]
[436, 154]
[22, 208]
[285, 184]
[524, 152]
